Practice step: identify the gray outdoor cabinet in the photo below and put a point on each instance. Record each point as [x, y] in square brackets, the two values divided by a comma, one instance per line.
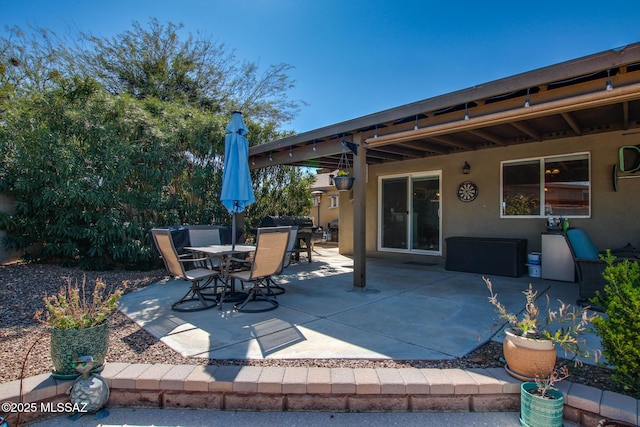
[557, 259]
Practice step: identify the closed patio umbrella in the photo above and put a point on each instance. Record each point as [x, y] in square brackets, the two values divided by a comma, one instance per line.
[237, 189]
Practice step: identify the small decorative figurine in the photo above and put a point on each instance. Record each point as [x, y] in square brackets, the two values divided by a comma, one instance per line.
[89, 392]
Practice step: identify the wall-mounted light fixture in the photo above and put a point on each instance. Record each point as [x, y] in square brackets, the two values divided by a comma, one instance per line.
[527, 101]
[609, 84]
[466, 111]
[466, 168]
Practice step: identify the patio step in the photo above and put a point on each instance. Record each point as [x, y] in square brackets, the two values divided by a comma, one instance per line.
[253, 388]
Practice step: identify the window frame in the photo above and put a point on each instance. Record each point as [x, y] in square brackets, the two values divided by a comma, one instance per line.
[541, 161]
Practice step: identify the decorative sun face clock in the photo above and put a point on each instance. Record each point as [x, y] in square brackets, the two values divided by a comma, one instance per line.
[467, 191]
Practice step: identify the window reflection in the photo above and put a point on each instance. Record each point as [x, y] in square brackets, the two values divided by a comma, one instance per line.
[563, 179]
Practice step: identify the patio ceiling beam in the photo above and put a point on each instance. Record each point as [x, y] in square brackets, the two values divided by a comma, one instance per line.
[489, 137]
[522, 127]
[432, 148]
[375, 156]
[424, 146]
[580, 102]
[298, 155]
[453, 142]
[404, 151]
[571, 122]
[385, 155]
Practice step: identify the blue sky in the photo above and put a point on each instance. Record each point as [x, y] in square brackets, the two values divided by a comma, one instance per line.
[357, 57]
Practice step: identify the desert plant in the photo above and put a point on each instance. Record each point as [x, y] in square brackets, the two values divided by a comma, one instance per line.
[72, 309]
[548, 383]
[564, 326]
[619, 328]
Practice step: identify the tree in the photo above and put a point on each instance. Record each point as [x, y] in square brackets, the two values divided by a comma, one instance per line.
[92, 170]
[29, 61]
[156, 62]
[89, 173]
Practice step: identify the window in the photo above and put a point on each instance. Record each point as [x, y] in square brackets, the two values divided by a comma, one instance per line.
[547, 186]
[334, 201]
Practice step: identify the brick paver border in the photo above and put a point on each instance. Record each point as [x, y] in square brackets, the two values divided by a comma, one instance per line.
[252, 388]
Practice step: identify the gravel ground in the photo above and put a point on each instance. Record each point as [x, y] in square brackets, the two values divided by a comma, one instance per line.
[23, 287]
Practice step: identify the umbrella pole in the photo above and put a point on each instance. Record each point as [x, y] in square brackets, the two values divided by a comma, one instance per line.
[233, 226]
[233, 232]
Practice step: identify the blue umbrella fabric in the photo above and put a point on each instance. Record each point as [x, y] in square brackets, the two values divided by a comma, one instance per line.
[237, 189]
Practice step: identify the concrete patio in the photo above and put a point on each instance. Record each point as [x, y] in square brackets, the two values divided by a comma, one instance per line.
[411, 309]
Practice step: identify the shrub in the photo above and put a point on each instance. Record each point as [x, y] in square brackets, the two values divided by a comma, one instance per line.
[72, 309]
[619, 330]
[564, 326]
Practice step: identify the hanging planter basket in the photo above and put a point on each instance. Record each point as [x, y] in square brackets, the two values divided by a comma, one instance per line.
[343, 183]
[344, 180]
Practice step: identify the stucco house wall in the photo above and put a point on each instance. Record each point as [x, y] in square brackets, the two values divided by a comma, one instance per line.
[614, 215]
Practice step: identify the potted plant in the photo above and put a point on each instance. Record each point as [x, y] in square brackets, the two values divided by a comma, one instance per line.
[79, 325]
[529, 346]
[343, 181]
[541, 404]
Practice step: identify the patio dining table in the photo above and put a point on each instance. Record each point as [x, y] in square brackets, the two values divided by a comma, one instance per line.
[222, 253]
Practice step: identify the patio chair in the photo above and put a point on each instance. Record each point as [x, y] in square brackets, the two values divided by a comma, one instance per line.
[589, 265]
[271, 246]
[205, 235]
[272, 287]
[196, 298]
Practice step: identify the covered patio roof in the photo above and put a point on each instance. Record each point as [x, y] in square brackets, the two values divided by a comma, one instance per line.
[593, 94]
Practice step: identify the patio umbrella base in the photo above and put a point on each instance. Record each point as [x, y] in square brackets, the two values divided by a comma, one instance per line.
[235, 296]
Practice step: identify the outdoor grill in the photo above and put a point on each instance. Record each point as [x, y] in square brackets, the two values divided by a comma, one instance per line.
[307, 233]
[304, 223]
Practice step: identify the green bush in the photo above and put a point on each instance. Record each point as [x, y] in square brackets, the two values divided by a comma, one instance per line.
[91, 173]
[620, 328]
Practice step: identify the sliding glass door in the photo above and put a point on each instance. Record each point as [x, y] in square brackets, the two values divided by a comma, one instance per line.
[409, 213]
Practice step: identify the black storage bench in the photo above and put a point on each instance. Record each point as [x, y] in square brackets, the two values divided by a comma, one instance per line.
[487, 255]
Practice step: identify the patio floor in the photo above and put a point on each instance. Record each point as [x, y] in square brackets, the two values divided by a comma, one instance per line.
[410, 310]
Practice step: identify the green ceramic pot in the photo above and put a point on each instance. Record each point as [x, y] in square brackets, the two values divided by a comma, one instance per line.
[536, 411]
[69, 344]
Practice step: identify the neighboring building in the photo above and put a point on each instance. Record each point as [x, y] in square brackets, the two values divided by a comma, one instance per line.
[549, 142]
[326, 213]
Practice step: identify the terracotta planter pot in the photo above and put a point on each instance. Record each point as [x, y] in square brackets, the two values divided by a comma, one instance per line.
[528, 358]
[69, 344]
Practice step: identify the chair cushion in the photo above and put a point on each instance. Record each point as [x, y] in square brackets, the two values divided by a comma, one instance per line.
[199, 273]
[581, 244]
